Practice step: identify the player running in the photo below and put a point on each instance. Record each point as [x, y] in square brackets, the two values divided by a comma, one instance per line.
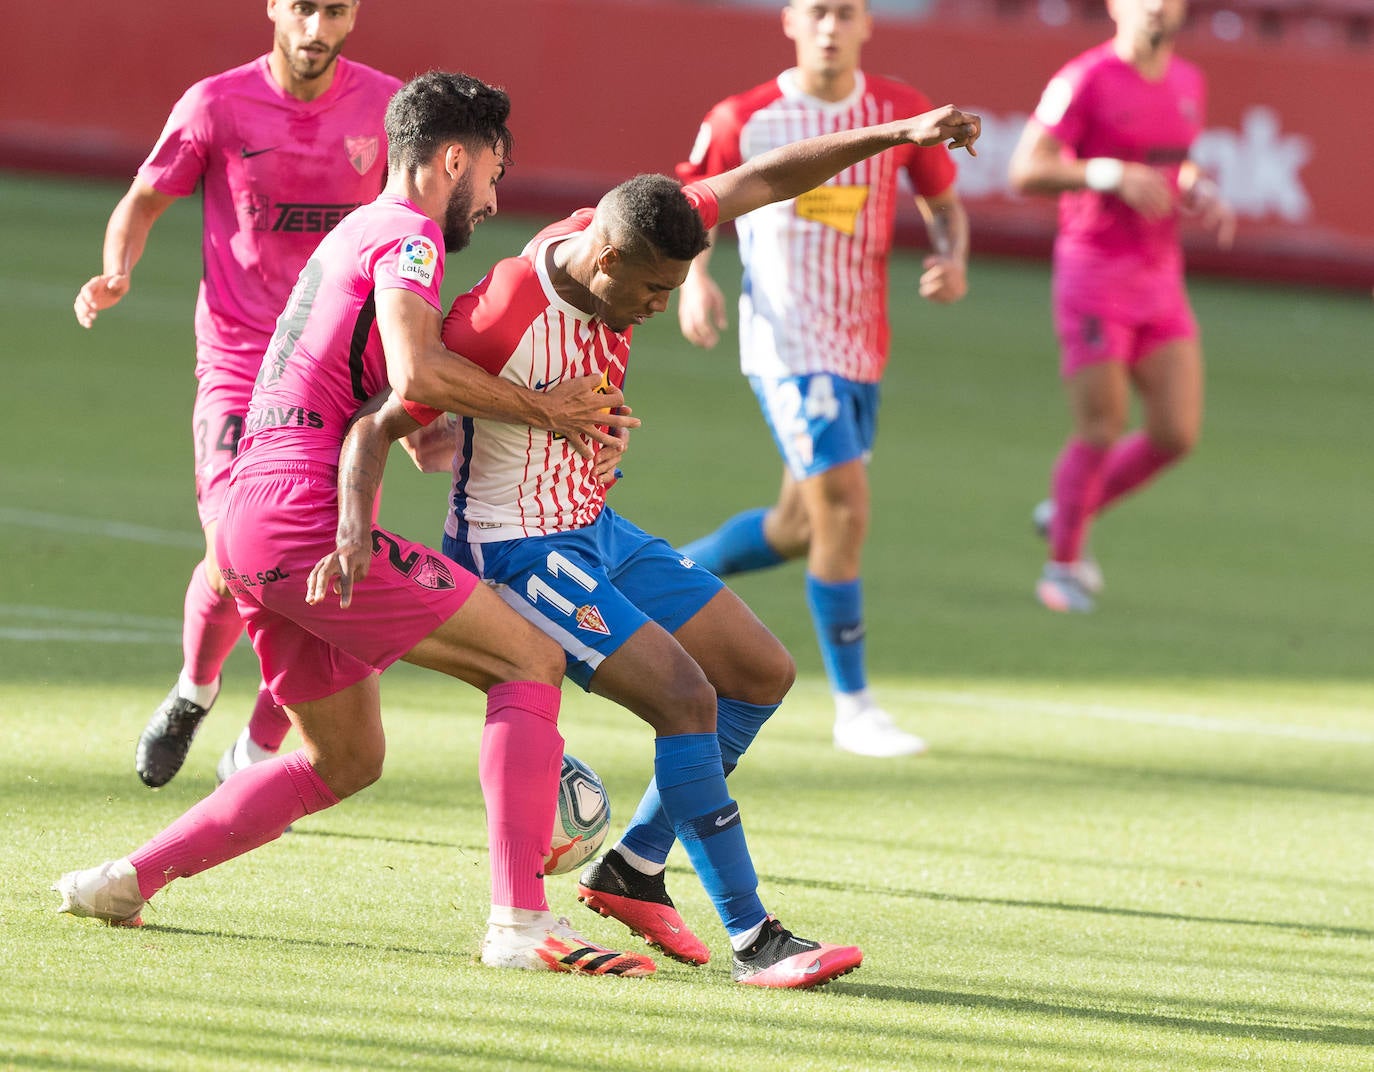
[1111, 137]
[284, 147]
[814, 329]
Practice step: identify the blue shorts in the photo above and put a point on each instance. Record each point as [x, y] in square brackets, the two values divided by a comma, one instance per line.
[819, 420]
[591, 588]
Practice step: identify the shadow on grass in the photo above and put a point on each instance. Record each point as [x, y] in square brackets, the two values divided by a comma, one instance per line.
[849, 889]
[1329, 1034]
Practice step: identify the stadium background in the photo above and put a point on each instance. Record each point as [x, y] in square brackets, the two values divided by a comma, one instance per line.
[604, 88]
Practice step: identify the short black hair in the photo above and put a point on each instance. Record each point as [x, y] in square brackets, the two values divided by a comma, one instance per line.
[650, 214]
[442, 106]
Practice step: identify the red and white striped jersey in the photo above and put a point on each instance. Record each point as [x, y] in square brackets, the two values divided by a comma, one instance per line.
[509, 480]
[814, 296]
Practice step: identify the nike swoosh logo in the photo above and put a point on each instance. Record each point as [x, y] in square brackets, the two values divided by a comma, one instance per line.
[541, 384]
[246, 152]
[723, 819]
[675, 930]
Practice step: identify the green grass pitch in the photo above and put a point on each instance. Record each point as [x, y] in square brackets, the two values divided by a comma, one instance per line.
[1142, 839]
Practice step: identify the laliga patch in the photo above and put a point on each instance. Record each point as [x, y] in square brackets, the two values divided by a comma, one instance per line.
[417, 258]
[589, 618]
[834, 206]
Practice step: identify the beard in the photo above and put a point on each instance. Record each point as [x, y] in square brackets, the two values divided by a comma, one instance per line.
[458, 222]
[307, 69]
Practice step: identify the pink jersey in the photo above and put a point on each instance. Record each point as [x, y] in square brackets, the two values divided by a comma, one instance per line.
[815, 268]
[512, 481]
[326, 358]
[278, 173]
[1100, 105]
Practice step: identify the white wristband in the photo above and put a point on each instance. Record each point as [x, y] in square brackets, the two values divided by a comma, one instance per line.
[1104, 174]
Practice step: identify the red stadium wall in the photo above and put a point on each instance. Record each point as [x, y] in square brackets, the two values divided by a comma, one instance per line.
[605, 88]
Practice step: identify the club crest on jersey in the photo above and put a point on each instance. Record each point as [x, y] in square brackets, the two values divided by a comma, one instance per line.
[834, 206]
[361, 151]
[589, 618]
[417, 259]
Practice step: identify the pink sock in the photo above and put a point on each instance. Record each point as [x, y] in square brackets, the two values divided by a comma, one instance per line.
[269, 724]
[519, 764]
[1131, 463]
[209, 629]
[1076, 486]
[250, 809]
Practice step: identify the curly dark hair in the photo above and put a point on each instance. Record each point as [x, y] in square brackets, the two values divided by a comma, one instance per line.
[649, 215]
[441, 106]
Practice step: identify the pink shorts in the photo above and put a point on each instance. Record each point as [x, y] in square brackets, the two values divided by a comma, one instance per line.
[277, 522]
[216, 425]
[1097, 323]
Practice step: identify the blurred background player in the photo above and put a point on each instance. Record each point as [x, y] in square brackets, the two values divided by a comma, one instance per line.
[284, 147]
[814, 332]
[640, 624]
[1111, 137]
[365, 314]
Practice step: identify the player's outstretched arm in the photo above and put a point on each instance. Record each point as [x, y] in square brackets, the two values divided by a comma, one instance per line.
[793, 169]
[126, 235]
[421, 369]
[362, 461]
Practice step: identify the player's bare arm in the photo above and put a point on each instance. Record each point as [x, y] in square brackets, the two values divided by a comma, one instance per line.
[362, 462]
[945, 278]
[701, 302]
[126, 235]
[1202, 200]
[1038, 166]
[423, 370]
[790, 170]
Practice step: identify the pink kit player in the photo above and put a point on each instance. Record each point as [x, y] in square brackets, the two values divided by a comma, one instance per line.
[1111, 137]
[365, 315]
[284, 148]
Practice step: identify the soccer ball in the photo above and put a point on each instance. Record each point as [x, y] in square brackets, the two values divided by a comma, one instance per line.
[584, 817]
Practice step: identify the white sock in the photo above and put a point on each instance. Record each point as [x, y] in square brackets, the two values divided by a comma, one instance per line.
[639, 863]
[247, 751]
[745, 939]
[849, 705]
[200, 695]
[506, 916]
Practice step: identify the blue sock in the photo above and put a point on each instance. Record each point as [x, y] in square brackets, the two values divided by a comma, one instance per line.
[737, 546]
[650, 834]
[687, 767]
[838, 613]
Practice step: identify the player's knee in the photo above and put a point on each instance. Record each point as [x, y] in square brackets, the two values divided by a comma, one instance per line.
[543, 660]
[772, 670]
[687, 704]
[350, 771]
[1174, 440]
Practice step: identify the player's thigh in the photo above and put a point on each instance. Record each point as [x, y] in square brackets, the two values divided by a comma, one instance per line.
[1169, 380]
[651, 674]
[216, 427]
[741, 658]
[1099, 396]
[342, 736]
[486, 643]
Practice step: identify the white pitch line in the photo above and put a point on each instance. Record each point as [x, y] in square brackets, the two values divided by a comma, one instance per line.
[45, 624]
[1138, 716]
[87, 526]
